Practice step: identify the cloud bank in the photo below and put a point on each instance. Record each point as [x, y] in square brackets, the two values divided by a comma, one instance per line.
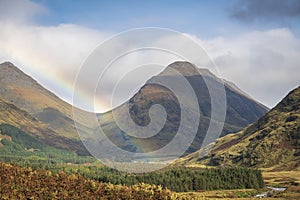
[20, 11]
[265, 64]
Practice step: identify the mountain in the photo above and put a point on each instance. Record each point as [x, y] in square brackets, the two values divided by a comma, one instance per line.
[241, 109]
[32, 108]
[271, 142]
[27, 105]
[25, 93]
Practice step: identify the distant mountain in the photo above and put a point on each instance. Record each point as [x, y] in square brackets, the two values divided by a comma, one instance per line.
[241, 109]
[271, 142]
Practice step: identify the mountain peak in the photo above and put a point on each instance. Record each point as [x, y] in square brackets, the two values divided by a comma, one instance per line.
[6, 63]
[26, 93]
[9, 73]
[9, 66]
[186, 69]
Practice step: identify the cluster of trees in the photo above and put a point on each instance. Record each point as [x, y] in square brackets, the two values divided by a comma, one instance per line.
[179, 180]
[25, 183]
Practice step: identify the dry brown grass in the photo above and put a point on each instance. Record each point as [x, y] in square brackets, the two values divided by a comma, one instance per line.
[283, 178]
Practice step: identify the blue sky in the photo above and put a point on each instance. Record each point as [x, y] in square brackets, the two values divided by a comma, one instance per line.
[205, 18]
[191, 16]
[254, 43]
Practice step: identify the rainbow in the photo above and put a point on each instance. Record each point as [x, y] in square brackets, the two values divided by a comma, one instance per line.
[61, 85]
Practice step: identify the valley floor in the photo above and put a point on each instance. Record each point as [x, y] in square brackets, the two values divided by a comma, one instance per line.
[24, 183]
[237, 195]
[288, 179]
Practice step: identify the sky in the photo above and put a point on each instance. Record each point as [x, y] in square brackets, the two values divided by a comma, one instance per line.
[253, 43]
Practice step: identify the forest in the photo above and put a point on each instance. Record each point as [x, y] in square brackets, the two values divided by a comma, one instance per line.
[177, 179]
[24, 150]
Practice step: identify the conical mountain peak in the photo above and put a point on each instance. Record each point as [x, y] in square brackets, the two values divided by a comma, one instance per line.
[186, 69]
[9, 73]
[9, 66]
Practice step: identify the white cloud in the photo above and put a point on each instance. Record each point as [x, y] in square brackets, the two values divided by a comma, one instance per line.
[265, 64]
[20, 11]
[49, 52]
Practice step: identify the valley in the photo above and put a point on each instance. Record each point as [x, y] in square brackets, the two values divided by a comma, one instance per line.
[257, 147]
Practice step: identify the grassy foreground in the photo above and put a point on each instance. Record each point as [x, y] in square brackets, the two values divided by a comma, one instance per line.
[25, 183]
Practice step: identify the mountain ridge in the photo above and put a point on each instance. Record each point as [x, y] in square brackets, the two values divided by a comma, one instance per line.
[11, 74]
